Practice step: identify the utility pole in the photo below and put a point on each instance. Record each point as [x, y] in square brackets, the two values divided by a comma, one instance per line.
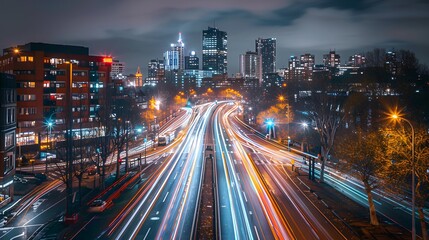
[70, 217]
[126, 146]
[145, 146]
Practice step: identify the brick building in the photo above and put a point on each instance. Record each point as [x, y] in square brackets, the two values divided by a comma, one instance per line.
[42, 73]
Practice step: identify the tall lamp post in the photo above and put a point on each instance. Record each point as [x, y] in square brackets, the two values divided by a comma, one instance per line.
[126, 145]
[48, 133]
[413, 194]
[282, 99]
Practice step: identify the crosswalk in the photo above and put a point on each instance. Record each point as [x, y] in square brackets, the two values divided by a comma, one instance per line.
[267, 162]
[54, 175]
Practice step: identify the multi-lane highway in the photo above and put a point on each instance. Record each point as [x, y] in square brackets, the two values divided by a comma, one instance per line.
[304, 218]
[271, 158]
[254, 196]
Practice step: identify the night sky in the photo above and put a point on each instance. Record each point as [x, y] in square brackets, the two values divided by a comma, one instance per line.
[135, 31]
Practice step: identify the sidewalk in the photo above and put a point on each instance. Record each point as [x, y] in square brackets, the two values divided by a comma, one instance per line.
[348, 215]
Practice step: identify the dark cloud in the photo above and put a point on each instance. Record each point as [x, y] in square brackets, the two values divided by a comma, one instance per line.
[136, 31]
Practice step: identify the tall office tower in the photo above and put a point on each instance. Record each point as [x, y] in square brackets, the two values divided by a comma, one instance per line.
[42, 73]
[117, 70]
[174, 58]
[357, 60]
[250, 65]
[7, 136]
[192, 62]
[155, 72]
[391, 64]
[331, 59]
[215, 51]
[171, 59]
[295, 70]
[266, 48]
[179, 47]
[307, 64]
[155, 68]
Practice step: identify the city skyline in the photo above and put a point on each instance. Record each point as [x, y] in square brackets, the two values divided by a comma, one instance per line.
[135, 34]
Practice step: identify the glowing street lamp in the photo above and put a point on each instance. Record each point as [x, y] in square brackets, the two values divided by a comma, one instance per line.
[49, 126]
[270, 124]
[397, 117]
[304, 125]
[281, 98]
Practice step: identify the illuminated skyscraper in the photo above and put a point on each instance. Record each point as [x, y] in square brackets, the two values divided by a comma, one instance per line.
[171, 59]
[174, 59]
[215, 51]
[266, 48]
[180, 48]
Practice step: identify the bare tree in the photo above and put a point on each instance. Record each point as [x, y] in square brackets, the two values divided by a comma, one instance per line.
[363, 156]
[326, 113]
[105, 147]
[375, 58]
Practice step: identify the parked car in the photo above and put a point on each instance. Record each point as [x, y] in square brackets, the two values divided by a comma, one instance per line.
[3, 222]
[97, 205]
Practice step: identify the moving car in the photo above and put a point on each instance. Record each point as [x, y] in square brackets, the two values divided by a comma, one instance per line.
[97, 205]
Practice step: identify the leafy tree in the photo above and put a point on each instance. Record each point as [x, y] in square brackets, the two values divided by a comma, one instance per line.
[282, 114]
[363, 156]
[400, 151]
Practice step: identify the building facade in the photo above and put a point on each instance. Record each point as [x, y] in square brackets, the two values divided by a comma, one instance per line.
[117, 70]
[331, 60]
[7, 136]
[250, 65]
[155, 72]
[171, 59]
[215, 48]
[43, 72]
[192, 62]
[266, 48]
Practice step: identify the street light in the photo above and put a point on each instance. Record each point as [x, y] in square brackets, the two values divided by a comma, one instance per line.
[282, 99]
[49, 125]
[270, 124]
[413, 197]
[127, 123]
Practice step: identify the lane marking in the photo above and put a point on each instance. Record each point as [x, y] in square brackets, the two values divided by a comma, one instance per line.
[147, 233]
[175, 177]
[165, 196]
[256, 230]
